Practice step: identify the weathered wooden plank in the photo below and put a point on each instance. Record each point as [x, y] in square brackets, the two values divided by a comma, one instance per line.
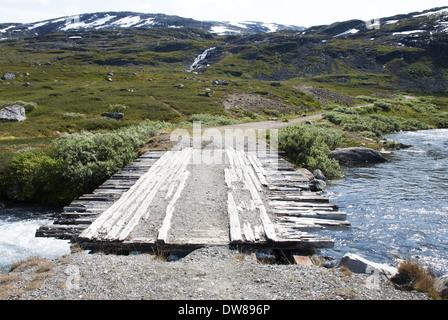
[109, 219]
[293, 204]
[299, 198]
[163, 232]
[312, 214]
[235, 227]
[60, 231]
[131, 217]
[267, 224]
[248, 233]
[327, 223]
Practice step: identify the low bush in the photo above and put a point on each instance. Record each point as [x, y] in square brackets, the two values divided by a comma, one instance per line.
[413, 276]
[308, 147]
[208, 120]
[74, 115]
[76, 164]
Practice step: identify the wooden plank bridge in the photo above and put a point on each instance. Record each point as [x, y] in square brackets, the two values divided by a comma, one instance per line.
[164, 198]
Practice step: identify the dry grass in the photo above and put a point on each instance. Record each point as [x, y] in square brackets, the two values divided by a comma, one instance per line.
[415, 277]
[30, 262]
[239, 257]
[346, 271]
[8, 285]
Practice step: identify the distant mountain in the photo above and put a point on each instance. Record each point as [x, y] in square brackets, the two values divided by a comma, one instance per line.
[113, 20]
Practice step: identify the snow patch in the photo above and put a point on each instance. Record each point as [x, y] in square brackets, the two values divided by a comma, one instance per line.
[391, 21]
[222, 30]
[270, 26]
[407, 32]
[37, 25]
[146, 22]
[6, 29]
[128, 21]
[351, 31]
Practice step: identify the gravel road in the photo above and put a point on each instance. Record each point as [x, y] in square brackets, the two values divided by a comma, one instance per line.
[211, 273]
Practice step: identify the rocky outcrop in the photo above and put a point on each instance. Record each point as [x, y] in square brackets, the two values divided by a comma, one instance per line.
[13, 113]
[8, 76]
[116, 116]
[356, 156]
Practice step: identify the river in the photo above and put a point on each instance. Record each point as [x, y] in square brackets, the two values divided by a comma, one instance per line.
[18, 226]
[398, 209]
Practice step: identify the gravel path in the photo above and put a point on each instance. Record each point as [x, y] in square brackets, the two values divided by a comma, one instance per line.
[212, 273]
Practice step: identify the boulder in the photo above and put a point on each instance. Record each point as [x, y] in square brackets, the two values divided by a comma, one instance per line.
[116, 116]
[319, 175]
[306, 173]
[13, 113]
[317, 185]
[356, 156]
[358, 264]
[8, 76]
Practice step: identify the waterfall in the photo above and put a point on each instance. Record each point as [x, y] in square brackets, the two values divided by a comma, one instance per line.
[200, 58]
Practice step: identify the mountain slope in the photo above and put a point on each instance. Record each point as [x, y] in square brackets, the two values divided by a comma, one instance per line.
[114, 20]
[402, 52]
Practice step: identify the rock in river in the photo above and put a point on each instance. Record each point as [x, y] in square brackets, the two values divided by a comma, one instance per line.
[354, 156]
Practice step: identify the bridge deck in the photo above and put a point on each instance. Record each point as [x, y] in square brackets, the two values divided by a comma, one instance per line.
[169, 198]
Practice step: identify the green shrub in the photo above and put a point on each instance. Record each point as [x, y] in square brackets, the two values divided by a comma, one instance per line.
[208, 120]
[32, 176]
[272, 113]
[117, 107]
[77, 164]
[440, 121]
[74, 115]
[308, 147]
[383, 105]
[90, 158]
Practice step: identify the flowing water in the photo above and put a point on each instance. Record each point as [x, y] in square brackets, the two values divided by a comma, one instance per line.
[398, 209]
[18, 226]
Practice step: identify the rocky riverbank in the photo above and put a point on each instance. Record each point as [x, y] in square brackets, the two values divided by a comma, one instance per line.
[212, 273]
